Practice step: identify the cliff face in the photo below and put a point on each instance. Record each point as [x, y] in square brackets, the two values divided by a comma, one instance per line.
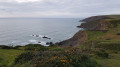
[79, 38]
[100, 25]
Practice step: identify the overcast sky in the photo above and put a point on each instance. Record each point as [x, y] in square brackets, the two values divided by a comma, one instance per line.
[58, 8]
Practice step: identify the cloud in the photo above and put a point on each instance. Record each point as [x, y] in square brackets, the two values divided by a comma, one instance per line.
[58, 8]
[27, 0]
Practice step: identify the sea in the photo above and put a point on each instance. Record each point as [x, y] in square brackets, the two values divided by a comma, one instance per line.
[23, 31]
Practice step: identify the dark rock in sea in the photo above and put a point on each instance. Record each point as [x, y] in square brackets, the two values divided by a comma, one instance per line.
[49, 43]
[39, 42]
[46, 37]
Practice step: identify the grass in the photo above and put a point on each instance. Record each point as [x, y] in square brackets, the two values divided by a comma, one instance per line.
[94, 35]
[112, 34]
[113, 16]
[8, 56]
[112, 61]
[109, 62]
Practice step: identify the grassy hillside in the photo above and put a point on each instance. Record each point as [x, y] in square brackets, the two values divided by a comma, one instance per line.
[114, 16]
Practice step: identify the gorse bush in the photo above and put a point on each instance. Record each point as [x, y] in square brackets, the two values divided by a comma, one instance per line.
[35, 47]
[69, 58]
[25, 57]
[71, 61]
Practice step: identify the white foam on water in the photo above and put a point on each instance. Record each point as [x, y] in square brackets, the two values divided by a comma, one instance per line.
[24, 43]
[15, 41]
[40, 35]
[43, 43]
[36, 42]
[33, 41]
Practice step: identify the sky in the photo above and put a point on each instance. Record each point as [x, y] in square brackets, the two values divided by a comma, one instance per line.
[58, 8]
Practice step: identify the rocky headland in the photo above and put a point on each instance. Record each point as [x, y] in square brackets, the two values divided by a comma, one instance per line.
[102, 24]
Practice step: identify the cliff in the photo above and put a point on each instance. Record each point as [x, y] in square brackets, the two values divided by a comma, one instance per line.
[93, 28]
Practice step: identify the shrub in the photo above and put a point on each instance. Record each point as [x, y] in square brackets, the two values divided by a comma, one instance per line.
[35, 47]
[17, 47]
[6, 47]
[25, 57]
[71, 61]
[102, 53]
[57, 49]
[70, 58]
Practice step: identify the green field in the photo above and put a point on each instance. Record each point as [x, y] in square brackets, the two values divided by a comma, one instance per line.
[7, 56]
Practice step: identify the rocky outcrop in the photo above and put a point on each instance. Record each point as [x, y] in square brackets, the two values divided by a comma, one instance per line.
[78, 39]
[88, 26]
[102, 25]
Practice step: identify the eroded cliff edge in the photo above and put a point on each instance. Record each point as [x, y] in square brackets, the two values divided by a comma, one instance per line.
[79, 38]
[103, 24]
